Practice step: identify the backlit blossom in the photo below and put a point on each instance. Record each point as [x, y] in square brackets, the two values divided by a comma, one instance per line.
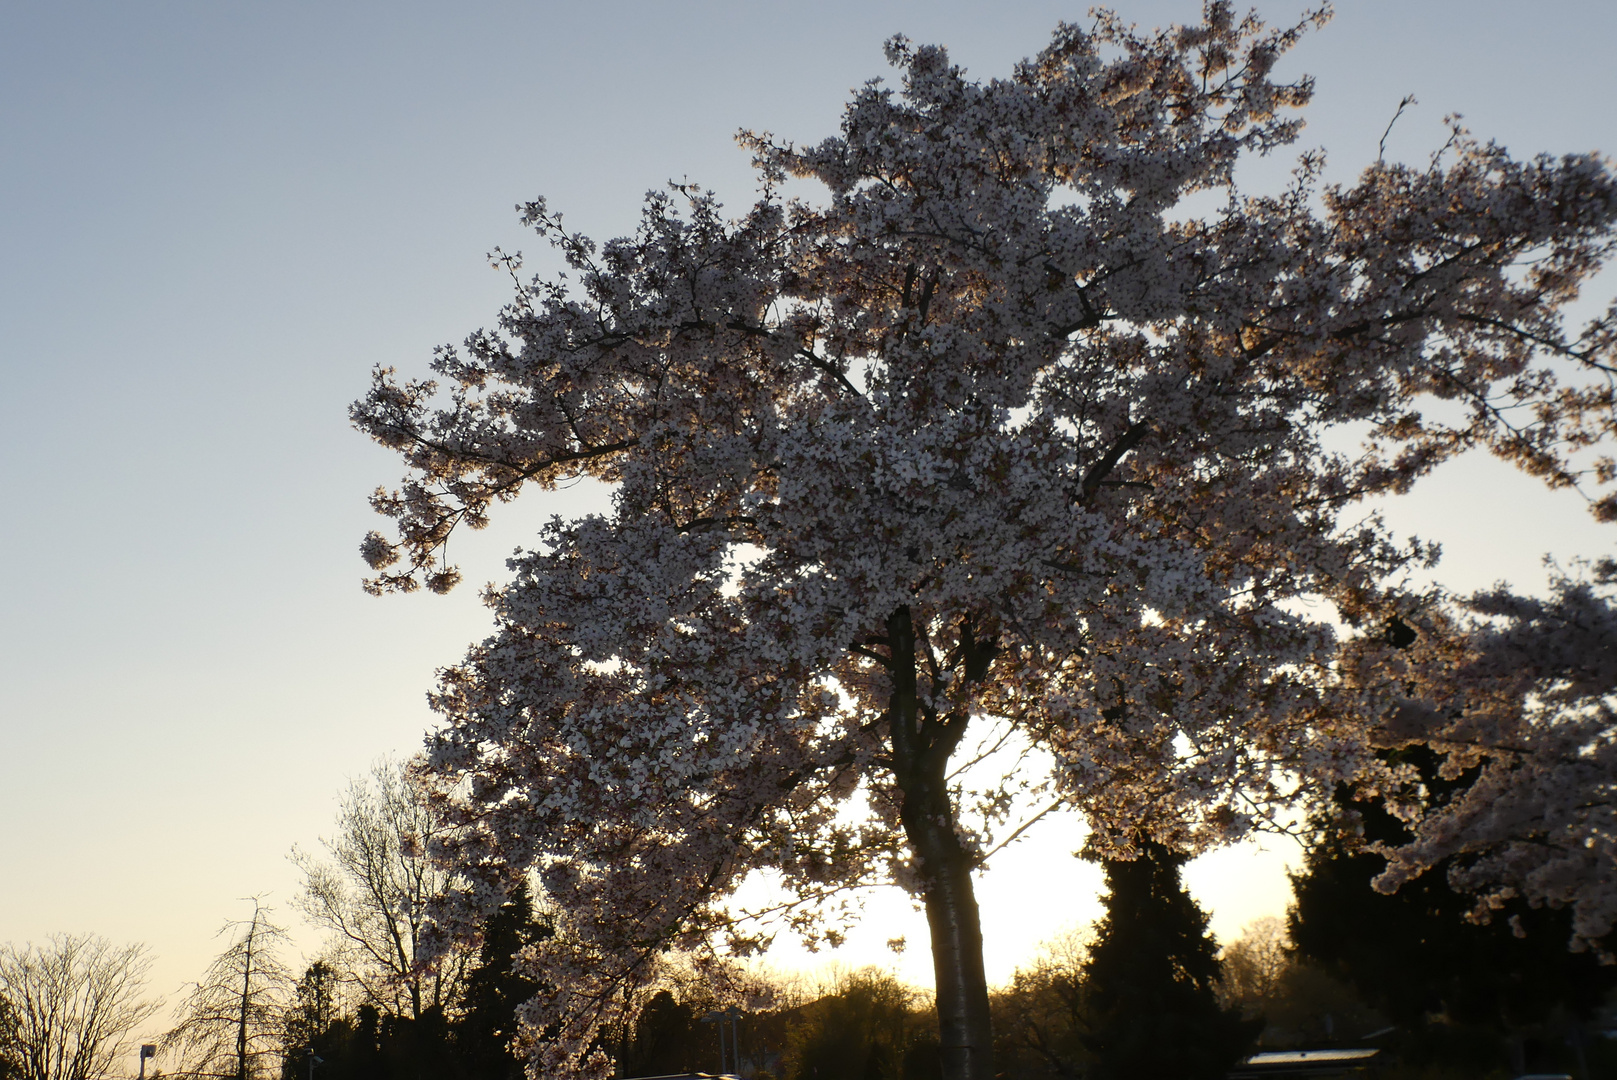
[996, 432]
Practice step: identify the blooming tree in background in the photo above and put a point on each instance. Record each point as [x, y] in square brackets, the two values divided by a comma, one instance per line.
[1035, 430]
[1521, 690]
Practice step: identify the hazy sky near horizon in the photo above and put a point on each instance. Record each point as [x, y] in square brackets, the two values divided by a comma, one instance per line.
[216, 218]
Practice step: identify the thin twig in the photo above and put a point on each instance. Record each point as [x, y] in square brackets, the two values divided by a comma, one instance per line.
[1381, 147]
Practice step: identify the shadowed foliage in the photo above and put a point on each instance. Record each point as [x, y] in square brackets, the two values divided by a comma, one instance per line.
[1477, 995]
[1150, 982]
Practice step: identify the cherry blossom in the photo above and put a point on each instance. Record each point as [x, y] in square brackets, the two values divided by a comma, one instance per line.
[999, 438]
[1519, 692]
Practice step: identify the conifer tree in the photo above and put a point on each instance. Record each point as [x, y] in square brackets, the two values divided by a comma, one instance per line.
[474, 1041]
[667, 1037]
[1414, 954]
[10, 1045]
[314, 1023]
[497, 987]
[1150, 979]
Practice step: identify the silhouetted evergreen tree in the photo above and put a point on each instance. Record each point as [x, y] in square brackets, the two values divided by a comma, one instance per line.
[473, 1044]
[360, 1056]
[1149, 980]
[667, 1038]
[1472, 995]
[494, 991]
[376, 1046]
[10, 1048]
[313, 1023]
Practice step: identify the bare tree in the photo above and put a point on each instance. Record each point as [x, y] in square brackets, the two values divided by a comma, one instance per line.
[373, 894]
[75, 1001]
[230, 1023]
[1039, 1019]
[1255, 965]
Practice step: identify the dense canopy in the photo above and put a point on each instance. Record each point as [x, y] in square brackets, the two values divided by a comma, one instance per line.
[1035, 427]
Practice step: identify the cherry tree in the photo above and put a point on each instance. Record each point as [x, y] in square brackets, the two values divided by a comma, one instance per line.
[1520, 691]
[1006, 440]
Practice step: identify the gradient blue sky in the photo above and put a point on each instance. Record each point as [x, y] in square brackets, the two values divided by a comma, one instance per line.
[218, 216]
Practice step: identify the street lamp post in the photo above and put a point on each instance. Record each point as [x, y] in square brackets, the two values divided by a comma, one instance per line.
[147, 1050]
[719, 1016]
[735, 1037]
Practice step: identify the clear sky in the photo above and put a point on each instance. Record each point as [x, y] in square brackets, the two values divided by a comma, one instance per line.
[215, 218]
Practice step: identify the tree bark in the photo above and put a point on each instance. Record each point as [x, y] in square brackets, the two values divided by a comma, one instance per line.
[922, 743]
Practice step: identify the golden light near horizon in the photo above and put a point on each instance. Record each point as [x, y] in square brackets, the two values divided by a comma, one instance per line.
[222, 219]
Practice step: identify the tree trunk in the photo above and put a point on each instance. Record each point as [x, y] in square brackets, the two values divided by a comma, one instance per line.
[246, 998]
[922, 744]
[964, 1032]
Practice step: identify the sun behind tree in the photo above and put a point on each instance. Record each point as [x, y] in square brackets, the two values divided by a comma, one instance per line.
[1035, 426]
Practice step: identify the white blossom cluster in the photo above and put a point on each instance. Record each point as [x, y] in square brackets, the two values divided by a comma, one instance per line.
[997, 430]
[1521, 694]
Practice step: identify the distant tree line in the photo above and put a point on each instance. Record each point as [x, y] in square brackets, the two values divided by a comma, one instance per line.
[1140, 996]
[1146, 992]
[379, 1005]
[467, 1036]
